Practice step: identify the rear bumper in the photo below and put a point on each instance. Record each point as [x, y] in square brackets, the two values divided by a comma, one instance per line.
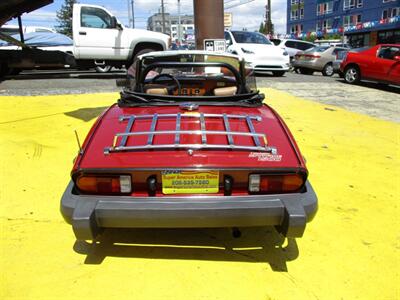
[308, 65]
[89, 214]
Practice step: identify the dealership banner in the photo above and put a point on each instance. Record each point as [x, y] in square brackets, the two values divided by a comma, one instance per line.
[352, 28]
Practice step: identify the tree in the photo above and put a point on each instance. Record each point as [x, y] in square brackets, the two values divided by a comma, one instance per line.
[64, 18]
[261, 29]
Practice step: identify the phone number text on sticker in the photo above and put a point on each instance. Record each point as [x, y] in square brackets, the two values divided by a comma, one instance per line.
[265, 156]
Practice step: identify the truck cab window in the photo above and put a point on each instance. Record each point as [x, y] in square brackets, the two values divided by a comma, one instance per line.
[93, 17]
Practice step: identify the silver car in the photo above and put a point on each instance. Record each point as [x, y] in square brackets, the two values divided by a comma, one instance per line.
[319, 58]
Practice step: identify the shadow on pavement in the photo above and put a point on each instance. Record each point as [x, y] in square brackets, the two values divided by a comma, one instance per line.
[375, 85]
[262, 244]
[86, 114]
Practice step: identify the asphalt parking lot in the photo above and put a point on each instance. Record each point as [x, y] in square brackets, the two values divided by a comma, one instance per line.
[349, 135]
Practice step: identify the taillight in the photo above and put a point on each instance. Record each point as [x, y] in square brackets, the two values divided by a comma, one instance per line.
[113, 184]
[310, 56]
[287, 183]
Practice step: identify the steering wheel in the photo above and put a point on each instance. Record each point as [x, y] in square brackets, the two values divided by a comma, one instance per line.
[173, 78]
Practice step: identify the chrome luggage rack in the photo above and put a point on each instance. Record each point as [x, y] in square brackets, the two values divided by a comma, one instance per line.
[122, 138]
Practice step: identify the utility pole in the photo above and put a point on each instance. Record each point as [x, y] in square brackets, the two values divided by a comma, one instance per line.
[163, 16]
[129, 14]
[208, 20]
[269, 27]
[179, 23]
[133, 13]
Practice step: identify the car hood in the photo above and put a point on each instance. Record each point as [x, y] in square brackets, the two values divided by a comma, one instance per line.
[262, 48]
[104, 131]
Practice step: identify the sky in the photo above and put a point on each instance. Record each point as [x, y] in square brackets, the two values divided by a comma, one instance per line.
[247, 16]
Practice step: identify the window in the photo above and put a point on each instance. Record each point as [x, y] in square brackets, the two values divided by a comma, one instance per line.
[301, 13]
[349, 4]
[324, 25]
[228, 38]
[94, 17]
[304, 46]
[293, 1]
[388, 52]
[294, 15]
[324, 8]
[296, 28]
[351, 20]
[390, 12]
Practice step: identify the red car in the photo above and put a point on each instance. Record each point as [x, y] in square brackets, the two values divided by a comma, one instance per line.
[189, 144]
[380, 63]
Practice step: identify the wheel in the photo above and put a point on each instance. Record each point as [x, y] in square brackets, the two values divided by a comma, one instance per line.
[4, 70]
[327, 70]
[130, 66]
[305, 71]
[278, 73]
[15, 71]
[103, 69]
[352, 75]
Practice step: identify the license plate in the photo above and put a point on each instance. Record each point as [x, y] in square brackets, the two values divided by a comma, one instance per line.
[190, 182]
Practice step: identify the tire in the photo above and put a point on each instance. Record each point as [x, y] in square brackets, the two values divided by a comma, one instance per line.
[103, 69]
[278, 73]
[129, 66]
[4, 70]
[305, 71]
[328, 70]
[352, 75]
[15, 71]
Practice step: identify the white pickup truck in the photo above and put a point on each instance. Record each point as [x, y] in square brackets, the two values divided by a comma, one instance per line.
[100, 40]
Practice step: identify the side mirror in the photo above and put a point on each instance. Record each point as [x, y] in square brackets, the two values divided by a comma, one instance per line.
[397, 58]
[228, 42]
[115, 24]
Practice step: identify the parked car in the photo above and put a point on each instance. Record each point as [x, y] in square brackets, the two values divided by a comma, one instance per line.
[380, 63]
[55, 44]
[292, 46]
[190, 143]
[260, 54]
[319, 58]
[336, 63]
[332, 43]
[14, 29]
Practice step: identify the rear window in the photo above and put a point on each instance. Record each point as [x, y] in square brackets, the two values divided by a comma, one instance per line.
[318, 49]
[275, 41]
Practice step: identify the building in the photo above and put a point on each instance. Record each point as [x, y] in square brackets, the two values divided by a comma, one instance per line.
[154, 23]
[363, 22]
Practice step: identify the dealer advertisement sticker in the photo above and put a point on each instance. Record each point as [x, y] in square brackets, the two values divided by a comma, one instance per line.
[190, 182]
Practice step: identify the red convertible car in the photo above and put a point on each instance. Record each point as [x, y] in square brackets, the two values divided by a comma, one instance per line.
[190, 143]
[380, 63]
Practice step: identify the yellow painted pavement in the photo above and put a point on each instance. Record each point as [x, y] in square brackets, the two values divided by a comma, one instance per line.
[350, 250]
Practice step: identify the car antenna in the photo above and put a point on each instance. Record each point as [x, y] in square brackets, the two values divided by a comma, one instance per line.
[77, 140]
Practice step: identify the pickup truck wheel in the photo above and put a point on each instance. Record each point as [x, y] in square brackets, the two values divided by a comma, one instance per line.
[352, 75]
[131, 65]
[103, 69]
[327, 70]
[278, 73]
